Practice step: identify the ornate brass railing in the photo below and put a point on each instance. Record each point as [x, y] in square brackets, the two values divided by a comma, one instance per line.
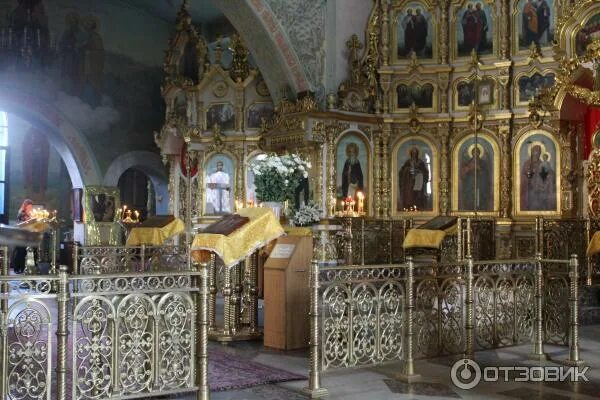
[119, 335]
[368, 315]
[116, 259]
[373, 241]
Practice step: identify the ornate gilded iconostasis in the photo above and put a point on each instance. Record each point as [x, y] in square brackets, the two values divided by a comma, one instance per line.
[217, 105]
[450, 108]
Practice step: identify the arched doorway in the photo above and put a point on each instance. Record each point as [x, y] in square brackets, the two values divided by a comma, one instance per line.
[137, 167]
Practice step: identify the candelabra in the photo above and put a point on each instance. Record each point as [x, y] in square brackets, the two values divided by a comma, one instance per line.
[26, 42]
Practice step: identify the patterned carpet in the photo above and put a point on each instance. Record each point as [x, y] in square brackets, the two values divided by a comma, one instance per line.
[229, 371]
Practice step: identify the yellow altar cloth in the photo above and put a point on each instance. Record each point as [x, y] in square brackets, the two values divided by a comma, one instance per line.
[154, 236]
[594, 245]
[298, 231]
[428, 238]
[262, 228]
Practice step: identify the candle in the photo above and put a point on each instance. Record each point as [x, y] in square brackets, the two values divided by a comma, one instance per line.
[361, 204]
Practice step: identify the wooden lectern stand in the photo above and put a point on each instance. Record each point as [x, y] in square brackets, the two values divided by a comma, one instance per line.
[286, 293]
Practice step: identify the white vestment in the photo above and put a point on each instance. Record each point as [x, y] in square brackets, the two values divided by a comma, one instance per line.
[217, 199]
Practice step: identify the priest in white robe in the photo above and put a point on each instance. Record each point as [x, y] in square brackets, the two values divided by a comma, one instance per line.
[217, 191]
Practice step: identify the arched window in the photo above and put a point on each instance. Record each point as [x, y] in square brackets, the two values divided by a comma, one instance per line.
[3, 167]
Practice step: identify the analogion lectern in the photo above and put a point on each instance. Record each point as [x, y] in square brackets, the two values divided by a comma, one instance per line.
[231, 246]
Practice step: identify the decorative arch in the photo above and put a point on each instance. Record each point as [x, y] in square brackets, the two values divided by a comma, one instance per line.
[150, 164]
[70, 143]
[269, 44]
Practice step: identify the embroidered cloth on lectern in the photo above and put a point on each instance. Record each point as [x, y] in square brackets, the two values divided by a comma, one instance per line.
[155, 236]
[428, 238]
[262, 228]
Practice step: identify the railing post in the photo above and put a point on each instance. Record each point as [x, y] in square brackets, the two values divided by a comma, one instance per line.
[4, 285]
[469, 310]
[212, 287]
[574, 325]
[588, 232]
[202, 335]
[408, 366]
[3, 315]
[538, 328]
[348, 236]
[143, 258]
[62, 333]
[469, 237]
[314, 389]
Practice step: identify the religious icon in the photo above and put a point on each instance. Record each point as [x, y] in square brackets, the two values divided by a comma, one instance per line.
[352, 165]
[484, 95]
[219, 185]
[420, 95]
[414, 32]
[476, 29]
[101, 203]
[222, 114]
[257, 112]
[536, 23]
[475, 169]
[466, 93]
[183, 160]
[530, 86]
[584, 37]
[414, 161]
[537, 172]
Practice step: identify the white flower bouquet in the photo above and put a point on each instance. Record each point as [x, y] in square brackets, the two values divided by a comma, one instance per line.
[276, 177]
[306, 215]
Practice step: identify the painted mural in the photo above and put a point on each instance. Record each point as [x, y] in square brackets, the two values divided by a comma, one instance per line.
[414, 31]
[104, 86]
[36, 170]
[475, 29]
[536, 22]
[589, 32]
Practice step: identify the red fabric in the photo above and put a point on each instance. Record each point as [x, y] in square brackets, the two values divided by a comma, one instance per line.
[592, 118]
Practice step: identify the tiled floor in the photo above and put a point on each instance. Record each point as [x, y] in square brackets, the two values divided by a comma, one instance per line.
[435, 383]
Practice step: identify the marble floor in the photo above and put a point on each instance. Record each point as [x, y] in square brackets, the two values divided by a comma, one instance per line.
[435, 383]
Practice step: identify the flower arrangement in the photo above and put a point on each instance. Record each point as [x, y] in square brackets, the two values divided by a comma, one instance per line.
[307, 214]
[276, 177]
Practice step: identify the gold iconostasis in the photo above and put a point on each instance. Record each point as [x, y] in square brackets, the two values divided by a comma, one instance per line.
[441, 114]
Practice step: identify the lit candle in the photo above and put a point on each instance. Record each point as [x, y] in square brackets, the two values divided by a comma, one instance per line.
[361, 204]
[137, 215]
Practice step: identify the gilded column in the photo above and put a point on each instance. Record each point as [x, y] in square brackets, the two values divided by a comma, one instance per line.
[506, 34]
[318, 161]
[444, 33]
[443, 83]
[538, 326]
[385, 32]
[443, 133]
[171, 186]
[385, 83]
[574, 312]
[202, 334]
[331, 182]
[377, 174]
[385, 178]
[506, 186]
[239, 177]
